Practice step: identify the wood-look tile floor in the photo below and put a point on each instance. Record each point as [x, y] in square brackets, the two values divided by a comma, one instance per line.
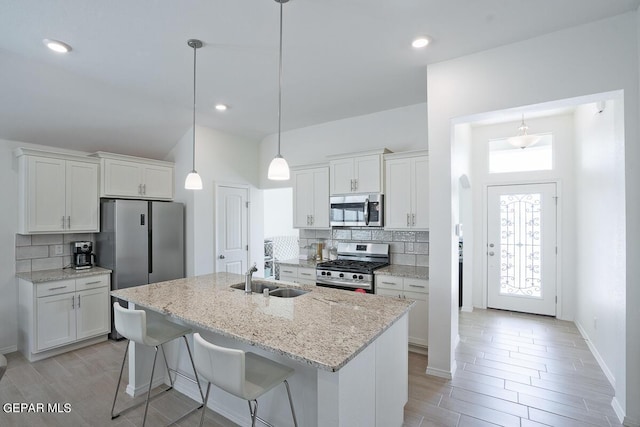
[513, 370]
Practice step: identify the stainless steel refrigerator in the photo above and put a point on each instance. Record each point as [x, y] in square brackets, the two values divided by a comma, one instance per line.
[141, 241]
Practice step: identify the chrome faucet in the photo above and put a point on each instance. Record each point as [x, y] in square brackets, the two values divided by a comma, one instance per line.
[247, 278]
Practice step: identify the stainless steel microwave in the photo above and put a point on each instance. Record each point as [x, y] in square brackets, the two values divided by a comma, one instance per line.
[361, 210]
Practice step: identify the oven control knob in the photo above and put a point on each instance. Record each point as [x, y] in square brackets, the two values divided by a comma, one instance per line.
[324, 273]
[360, 277]
[355, 276]
[341, 275]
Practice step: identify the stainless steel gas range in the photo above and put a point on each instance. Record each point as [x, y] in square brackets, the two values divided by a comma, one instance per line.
[353, 270]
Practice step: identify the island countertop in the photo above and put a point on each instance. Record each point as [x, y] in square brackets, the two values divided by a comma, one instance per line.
[324, 328]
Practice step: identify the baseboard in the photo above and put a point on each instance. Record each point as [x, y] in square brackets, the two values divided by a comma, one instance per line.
[467, 309]
[596, 354]
[144, 388]
[440, 373]
[10, 349]
[418, 349]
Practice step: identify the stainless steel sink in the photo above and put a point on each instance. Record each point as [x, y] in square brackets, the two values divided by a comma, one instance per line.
[287, 293]
[256, 287]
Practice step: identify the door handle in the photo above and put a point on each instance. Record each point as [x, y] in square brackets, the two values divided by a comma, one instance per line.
[221, 257]
[491, 253]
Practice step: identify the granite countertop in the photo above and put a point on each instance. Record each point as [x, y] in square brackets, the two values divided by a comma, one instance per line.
[324, 328]
[404, 271]
[61, 274]
[305, 263]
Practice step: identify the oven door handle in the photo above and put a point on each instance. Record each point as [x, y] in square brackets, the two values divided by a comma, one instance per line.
[366, 211]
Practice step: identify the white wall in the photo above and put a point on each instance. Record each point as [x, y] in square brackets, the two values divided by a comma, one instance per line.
[561, 127]
[278, 212]
[560, 65]
[220, 158]
[600, 269]
[400, 129]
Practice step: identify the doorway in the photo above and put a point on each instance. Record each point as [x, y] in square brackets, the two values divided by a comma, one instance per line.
[522, 248]
[232, 224]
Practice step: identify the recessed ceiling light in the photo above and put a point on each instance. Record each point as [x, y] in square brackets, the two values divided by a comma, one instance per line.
[57, 46]
[222, 107]
[420, 42]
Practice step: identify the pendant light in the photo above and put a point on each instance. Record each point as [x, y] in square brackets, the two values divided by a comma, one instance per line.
[523, 139]
[193, 181]
[279, 169]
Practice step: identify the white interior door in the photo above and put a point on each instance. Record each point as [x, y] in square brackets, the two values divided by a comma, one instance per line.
[231, 229]
[521, 248]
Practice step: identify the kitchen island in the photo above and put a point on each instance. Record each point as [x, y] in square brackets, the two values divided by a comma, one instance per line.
[349, 350]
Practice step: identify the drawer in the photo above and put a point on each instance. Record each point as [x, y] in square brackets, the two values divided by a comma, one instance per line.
[287, 270]
[55, 288]
[389, 282]
[308, 274]
[92, 282]
[416, 285]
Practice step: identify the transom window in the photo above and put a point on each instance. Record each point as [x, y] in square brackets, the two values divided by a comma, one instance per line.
[504, 157]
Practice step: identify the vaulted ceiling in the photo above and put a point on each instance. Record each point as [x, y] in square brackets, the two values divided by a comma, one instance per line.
[127, 84]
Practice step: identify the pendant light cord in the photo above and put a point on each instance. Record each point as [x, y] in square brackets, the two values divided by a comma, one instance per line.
[280, 83]
[194, 106]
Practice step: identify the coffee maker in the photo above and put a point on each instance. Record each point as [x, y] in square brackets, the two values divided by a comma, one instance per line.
[82, 255]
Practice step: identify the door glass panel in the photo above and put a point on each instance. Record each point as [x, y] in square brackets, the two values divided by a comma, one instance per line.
[520, 245]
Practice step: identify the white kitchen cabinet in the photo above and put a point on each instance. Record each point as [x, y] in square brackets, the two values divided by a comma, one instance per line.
[407, 191]
[299, 275]
[361, 173]
[311, 197]
[58, 193]
[62, 315]
[414, 289]
[135, 177]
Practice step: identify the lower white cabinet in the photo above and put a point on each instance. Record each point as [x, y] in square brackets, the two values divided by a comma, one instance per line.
[55, 314]
[299, 275]
[417, 290]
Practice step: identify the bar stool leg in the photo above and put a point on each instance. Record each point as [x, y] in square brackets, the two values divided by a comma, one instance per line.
[204, 406]
[164, 355]
[193, 365]
[253, 411]
[124, 359]
[293, 412]
[153, 368]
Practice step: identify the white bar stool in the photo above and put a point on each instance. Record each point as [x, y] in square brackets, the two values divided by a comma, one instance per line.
[243, 374]
[133, 325]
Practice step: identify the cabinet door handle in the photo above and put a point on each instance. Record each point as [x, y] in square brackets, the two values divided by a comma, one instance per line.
[408, 220]
[79, 301]
[312, 219]
[57, 287]
[139, 188]
[69, 222]
[63, 222]
[73, 301]
[355, 183]
[413, 219]
[144, 188]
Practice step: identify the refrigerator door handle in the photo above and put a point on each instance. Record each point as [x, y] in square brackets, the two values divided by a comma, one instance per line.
[141, 219]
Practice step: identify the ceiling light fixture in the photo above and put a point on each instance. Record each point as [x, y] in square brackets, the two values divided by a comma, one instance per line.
[193, 180]
[221, 107]
[279, 169]
[523, 139]
[57, 46]
[420, 42]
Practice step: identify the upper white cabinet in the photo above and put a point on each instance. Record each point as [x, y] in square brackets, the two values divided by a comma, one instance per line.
[407, 191]
[58, 193]
[361, 173]
[310, 197]
[135, 178]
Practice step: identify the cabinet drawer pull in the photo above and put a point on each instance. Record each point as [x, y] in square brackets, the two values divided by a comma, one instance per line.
[73, 301]
[417, 286]
[79, 301]
[389, 283]
[288, 271]
[93, 283]
[305, 274]
[57, 287]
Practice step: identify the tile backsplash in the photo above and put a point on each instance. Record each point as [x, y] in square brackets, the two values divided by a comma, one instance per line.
[37, 252]
[406, 247]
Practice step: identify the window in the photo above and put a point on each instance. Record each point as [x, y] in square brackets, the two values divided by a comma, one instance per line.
[504, 157]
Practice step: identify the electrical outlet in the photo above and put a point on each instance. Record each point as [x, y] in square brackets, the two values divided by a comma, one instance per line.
[57, 250]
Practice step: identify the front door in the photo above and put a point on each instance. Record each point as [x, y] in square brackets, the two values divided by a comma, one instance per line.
[231, 229]
[521, 248]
